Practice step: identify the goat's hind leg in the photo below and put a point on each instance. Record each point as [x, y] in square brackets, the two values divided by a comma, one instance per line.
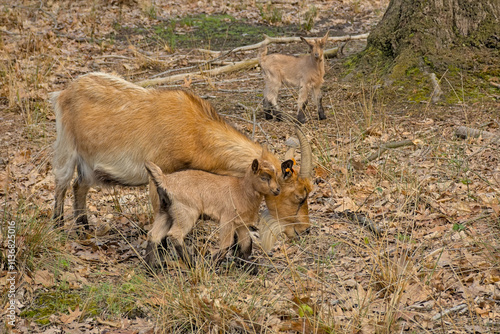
[270, 104]
[183, 223]
[64, 168]
[81, 187]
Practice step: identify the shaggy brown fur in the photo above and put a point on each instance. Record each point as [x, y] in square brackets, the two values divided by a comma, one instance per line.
[233, 201]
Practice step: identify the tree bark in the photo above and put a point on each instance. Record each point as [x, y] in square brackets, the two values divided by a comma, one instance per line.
[416, 38]
[433, 26]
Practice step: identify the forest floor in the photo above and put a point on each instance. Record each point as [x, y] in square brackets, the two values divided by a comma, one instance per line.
[435, 268]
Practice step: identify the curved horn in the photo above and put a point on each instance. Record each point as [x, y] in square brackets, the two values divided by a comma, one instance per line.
[292, 143]
[306, 167]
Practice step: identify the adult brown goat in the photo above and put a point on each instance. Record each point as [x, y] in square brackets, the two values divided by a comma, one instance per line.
[108, 128]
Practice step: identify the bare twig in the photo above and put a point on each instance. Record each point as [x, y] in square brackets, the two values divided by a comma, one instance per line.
[457, 308]
[216, 71]
[362, 220]
[465, 132]
[280, 40]
[494, 84]
[384, 147]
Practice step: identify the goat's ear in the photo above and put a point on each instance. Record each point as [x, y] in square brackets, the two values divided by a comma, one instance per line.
[287, 168]
[324, 39]
[255, 165]
[156, 174]
[305, 41]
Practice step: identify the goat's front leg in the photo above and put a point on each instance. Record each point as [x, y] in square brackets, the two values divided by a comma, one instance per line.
[226, 237]
[318, 98]
[244, 250]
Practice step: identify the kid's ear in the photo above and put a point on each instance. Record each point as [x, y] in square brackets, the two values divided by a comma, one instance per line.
[255, 165]
[287, 168]
[325, 38]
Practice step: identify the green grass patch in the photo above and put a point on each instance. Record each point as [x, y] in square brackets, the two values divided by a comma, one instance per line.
[216, 32]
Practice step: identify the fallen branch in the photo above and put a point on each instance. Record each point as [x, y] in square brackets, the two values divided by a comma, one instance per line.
[384, 147]
[364, 221]
[281, 40]
[457, 308]
[494, 84]
[216, 71]
[466, 132]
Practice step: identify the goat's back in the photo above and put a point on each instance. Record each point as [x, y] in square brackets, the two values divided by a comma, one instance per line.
[116, 126]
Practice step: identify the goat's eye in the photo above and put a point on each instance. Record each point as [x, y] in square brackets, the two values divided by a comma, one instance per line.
[265, 177]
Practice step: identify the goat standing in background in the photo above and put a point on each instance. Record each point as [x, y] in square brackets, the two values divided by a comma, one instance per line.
[233, 201]
[306, 72]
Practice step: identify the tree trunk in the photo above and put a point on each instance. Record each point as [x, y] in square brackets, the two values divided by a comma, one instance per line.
[443, 36]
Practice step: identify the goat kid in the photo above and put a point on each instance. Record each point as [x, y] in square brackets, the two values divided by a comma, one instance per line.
[305, 72]
[233, 201]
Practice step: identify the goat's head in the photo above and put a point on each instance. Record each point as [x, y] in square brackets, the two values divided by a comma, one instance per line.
[264, 177]
[290, 206]
[317, 46]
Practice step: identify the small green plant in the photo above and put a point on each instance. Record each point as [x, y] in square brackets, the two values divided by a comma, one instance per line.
[459, 227]
[270, 14]
[309, 18]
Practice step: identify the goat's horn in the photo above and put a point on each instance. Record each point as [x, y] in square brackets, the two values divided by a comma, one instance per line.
[306, 167]
[290, 153]
[292, 143]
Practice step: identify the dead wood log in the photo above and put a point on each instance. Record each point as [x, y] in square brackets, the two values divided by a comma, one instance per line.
[466, 132]
[280, 40]
[384, 147]
[216, 71]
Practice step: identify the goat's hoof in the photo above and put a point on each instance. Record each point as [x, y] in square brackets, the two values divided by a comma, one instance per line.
[269, 116]
[322, 117]
[83, 221]
[301, 119]
[247, 266]
[58, 221]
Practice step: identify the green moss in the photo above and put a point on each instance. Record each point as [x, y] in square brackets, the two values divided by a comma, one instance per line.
[49, 303]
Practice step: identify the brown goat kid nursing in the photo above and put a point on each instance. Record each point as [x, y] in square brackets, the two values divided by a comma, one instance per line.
[305, 72]
[233, 201]
[107, 128]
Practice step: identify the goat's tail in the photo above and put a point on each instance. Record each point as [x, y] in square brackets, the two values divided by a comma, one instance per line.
[65, 152]
[270, 228]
